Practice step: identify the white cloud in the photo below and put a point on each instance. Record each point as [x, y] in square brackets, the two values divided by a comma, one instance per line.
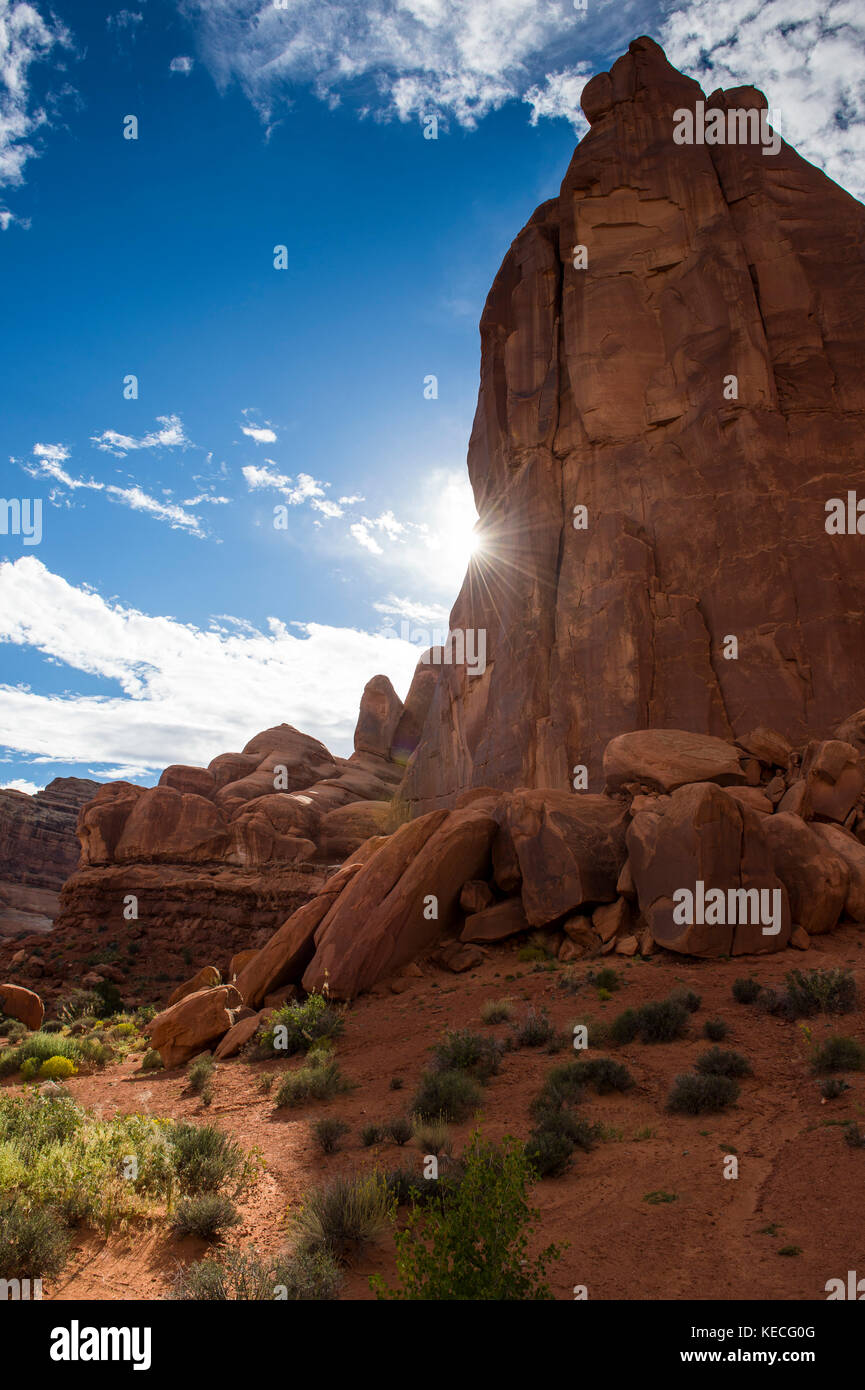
[260, 434]
[48, 463]
[361, 532]
[124, 19]
[808, 59]
[20, 785]
[26, 38]
[559, 95]
[170, 436]
[427, 614]
[186, 693]
[183, 65]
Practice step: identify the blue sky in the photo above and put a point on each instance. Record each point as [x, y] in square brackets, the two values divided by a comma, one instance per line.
[162, 617]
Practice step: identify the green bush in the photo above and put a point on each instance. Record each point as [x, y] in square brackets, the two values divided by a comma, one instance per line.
[555, 1136]
[463, 1050]
[838, 1054]
[399, 1130]
[315, 1081]
[604, 1075]
[57, 1069]
[34, 1241]
[207, 1216]
[497, 1011]
[660, 1020]
[205, 1159]
[446, 1095]
[297, 1027]
[432, 1136]
[343, 1215]
[717, 1062]
[745, 991]
[854, 1136]
[474, 1246]
[199, 1072]
[819, 991]
[607, 979]
[695, 1094]
[151, 1061]
[243, 1275]
[688, 997]
[329, 1132]
[371, 1133]
[832, 1089]
[536, 1030]
[80, 1003]
[715, 1029]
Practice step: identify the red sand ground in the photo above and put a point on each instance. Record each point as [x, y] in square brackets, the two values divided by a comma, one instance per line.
[796, 1174]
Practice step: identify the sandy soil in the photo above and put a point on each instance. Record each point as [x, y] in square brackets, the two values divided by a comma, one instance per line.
[796, 1174]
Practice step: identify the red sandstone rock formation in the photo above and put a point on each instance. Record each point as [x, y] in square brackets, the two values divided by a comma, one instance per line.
[604, 388]
[38, 851]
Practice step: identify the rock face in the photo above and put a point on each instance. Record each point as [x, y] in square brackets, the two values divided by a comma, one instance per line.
[38, 850]
[608, 388]
[212, 860]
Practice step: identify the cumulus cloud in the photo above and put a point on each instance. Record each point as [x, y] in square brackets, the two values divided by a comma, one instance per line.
[19, 784]
[182, 65]
[185, 693]
[26, 38]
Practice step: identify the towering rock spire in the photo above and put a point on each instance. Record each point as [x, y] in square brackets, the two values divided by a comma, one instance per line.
[674, 344]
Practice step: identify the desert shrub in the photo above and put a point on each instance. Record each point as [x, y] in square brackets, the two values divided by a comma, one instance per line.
[688, 997]
[833, 1088]
[432, 1136]
[297, 1027]
[371, 1133]
[329, 1133]
[343, 1215]
[30, 1068]
[696, 1094]
[207, 1216]
[854, 1136]
[34, 1241]
[205, 1159]
[555, 1136]
[607, 979]
[12, 1029]
[57, 1068]
[52, 1025]
[400, 1130]
[660, 1020]
[819, 991]
[715, 1029]
[243, 1275]
[446, 1095]
[124, 1029]
[497, 1011]
[315, 1081]
[475, 1245]
[718, 1062]
[151, 1061]
[94, 1053]
[604, 1075]
[838, 1054]
[396, 1083]
[745, 991]
[405, 1185]
[463, 1050]
[79, 1003]
[564, 1085]
[199, 1072]
[39, 1046]
[536, 1030]
[109, 999]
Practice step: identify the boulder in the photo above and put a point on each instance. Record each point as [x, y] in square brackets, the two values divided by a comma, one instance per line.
[767, 746]
[401, 901]
[835, 775]
[345, 828]
[165, 825]
[611, 920]
[237, 963]
[815, 876]
[475, 896]
[193, 1024]
[380, 712]
[707, 838]
[570, 847]
[750, 796]
[495, 923]
[457, 957]
[197, 781]
[237, 1037]
[670, 758]
[852, 851]
[23, 1004]
[205, 978]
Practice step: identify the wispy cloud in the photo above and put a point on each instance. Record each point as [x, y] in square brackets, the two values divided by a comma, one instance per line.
[26, 38]
[182, 65]
[170, 436]
[186, 693]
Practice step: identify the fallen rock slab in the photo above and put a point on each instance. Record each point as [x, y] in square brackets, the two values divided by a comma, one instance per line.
[194, 1024]
[23, 1004]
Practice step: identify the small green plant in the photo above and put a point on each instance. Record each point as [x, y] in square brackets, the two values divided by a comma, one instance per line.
[660, 1020]
[399, 1130]
[838, 1053]
[447, 1095]
[474, 1246]
[316, 1081]
[607, 979]
[343, 1215]
[472, 1053]
[604, 1075]
[151, 1061]
[297, 1027]
[694, 1094]
[243, 1275]
[536, 1030]
[497, 1011]
[660, 1198]
[833, 1088]
[790, 1250]
[371, 1133]
[200, 1072]
[688, 997]
[745, 991]
[715, 1029]
[854, 1136]
[432, 1136]
[34, 1241]
[329, 1133]
[206, 1160]
[812, 992]
[718, 1062]
[396, 1083]
[207, 1216]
